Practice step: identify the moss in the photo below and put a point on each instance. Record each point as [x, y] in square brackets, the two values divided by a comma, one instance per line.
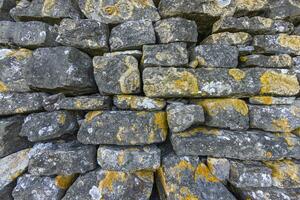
[237, 74]
[3, 87]
[112, 10]
[269, 154]
[203, 172]
[281, 125]
[289, 41]
[91, 115]
[110, 178]
[65, 181]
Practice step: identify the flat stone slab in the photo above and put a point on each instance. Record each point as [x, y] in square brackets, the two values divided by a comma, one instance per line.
[128, 159]
[270, 100]
[284, 9]
[275, 61]
[61, 69]
[228, 38]
[61, 158]
[123, 128]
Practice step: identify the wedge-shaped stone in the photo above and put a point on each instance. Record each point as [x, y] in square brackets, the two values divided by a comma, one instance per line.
[285, 9]
[128, 159]
[123, 128]
[132, 102]
[118, 11]
[61, 69]
[5, 6]
[176, 29]
[225, 113]
[228, 38]
[106, 184]
[61, 158]
[253, 25]
[270, 100]
[243, 145]
[185, 177]
[10, 141]
[250, 174]
[219, 167]
[166, 55]
[275, 118]
[49, 125]
[12, 70]
[88, 35]
[182, 117]
[50, 11]
[277, 44]
[21, 103]
[117, 74]
[275, 61]
[215, 56]
[132, 35]
[27, 34]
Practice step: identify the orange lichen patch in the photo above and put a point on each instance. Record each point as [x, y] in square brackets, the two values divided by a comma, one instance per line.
[289, 41]
[186, 82]
[280, 84]
[282, 125]
[200, 130]
[91, 115]
[203, 172]
[266, 100]
[145, 175]
[160, 175]
[112, 10]
[237, 74]
[269, 154]
[214, 106]
[110, 178]
[185, 194]
[251, 5]
[65, 181]
[20, 54]
[160, 121]
[3, 87]
[48, 6]
[61, 118]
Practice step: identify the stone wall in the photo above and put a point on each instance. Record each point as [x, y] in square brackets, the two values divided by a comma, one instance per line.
[142, 99]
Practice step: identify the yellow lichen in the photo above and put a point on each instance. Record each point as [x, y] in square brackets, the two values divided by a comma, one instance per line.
[243, 58]
[269, 154]
[78, 104]
[130, 80]
[20, 54]
[289, 41]
[185, 194]
[266, 100]
[162, 180]
[112, 10]
[64, 181]
[61, 118]
[48, 7]
[91, 115]
[160, 121]
[203, 172]
[185, 83]
[3, 87]
[195, 131]
[282, 125]
[110, 178]
[21, 110]
[237, 74]
[147, 176]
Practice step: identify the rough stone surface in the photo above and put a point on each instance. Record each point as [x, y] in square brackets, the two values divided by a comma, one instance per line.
[227, 38]
[135, 53]
[269, 100]
[219, 167]
[129, 128]
[275, 61]
[285, 9]
[5, 6]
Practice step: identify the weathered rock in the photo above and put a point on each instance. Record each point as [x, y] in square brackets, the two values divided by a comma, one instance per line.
[253, 25]
[61, 158]
[12, 166]
[117, 74]
[135, 53]
[111, 185]
[297, 30]
[275, 118]
[5, 6]
[165, 55]
[114, 12]
[243, 145]
[227, 38]
[128, 159]
[250, 174]
[251, 8]
[296, 67]
[5, 192]
[45, 10]
[219, 167]
[132, 35]
[275, 61]
[123, 128]
[215, 56]
[88, 35]
[269, 100]
[61, 69]
[182, 117]
[131, 102]
[285, 9]
[176, 29]
[245, 49]
[49, 125]
[20, 103]
[225, 113]
[12, 70]
[277, 44]
[185, 177]
[10, 141]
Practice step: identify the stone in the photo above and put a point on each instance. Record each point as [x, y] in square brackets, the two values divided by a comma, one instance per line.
[131, 35]
[277, 44]
[176, 29]
[112, 185]
[5, 6]
[285, 9]
[128, 159]
[115, 12]
[253, 25]
[296, 30]
[250, 174]
[182, 117]
[245, 49]
[225, 113]
[269, 100]
[117, 74]
[20, 103]
[275, 118]
[61, 158]
[228, 38]
[61, 69]
[186, 177]
[296, 67]
[219, 167]
[139, 103]
[10, 141]
[12, 70]
[12, 166]
[275, 61]
[215, 56]
[135, 53]
[85, 34]
[251, 8]
[123, 128]
[242, 145]
[50, 11]
[165, 55]
[5, 192]
[49, 125]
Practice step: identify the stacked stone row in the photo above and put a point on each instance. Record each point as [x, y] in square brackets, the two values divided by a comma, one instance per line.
[142, 99]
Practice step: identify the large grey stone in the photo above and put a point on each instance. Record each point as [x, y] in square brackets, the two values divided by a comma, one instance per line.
[274, 61]
[284, 9]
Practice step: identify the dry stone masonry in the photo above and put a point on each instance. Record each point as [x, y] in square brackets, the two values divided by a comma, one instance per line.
[149, 99]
